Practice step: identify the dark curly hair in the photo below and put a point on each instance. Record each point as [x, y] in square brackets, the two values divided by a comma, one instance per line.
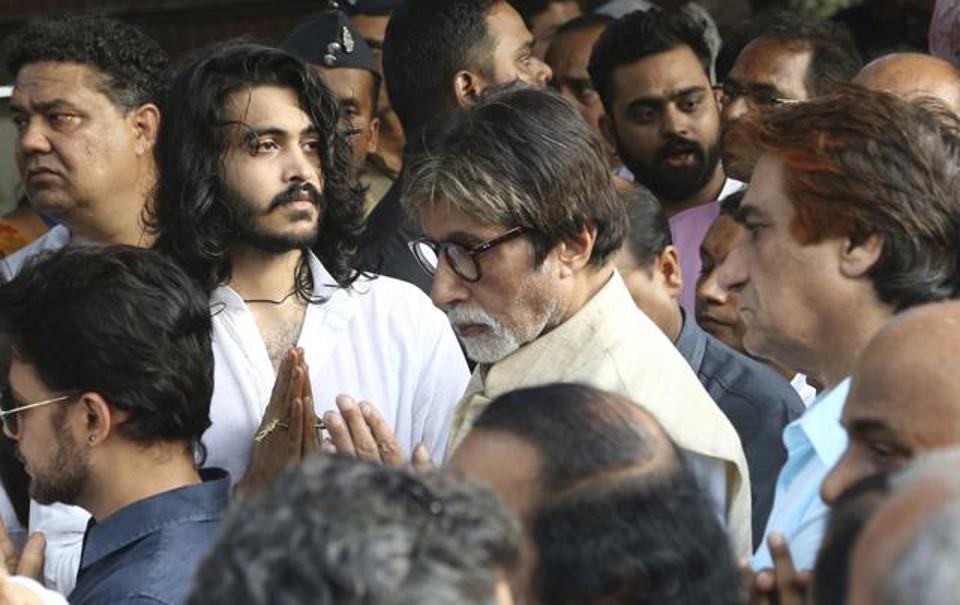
[131, 62]
[192, 214]
[339, 531]
[123, 322]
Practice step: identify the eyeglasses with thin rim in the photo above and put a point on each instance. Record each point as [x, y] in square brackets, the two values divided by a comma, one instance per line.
[754, 97]
[463, 260]
[9, 417]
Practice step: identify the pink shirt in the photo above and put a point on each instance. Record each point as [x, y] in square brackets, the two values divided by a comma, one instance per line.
[688, 228]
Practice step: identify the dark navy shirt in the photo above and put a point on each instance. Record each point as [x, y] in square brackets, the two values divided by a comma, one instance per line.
[758, 402]
[148, 551]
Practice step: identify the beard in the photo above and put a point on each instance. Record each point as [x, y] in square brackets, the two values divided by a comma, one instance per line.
[496, 342]
[250, 232]
[674, 183]
[68, 473]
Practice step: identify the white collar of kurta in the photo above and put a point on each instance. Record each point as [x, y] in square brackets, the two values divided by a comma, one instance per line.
[325, 288]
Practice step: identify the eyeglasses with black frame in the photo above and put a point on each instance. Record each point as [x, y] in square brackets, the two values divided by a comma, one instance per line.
[463, 260]
[756, 98]
[10, 411]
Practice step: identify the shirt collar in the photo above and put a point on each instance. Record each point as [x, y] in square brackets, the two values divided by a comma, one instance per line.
[691, 339]
[201, 502]
[820, 425]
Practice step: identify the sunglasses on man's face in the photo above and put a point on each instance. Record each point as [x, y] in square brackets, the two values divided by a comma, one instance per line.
[10, 409]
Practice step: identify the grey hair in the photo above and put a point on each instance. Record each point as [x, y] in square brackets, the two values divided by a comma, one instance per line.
[926, 572]
[339, 531]
[520, 157]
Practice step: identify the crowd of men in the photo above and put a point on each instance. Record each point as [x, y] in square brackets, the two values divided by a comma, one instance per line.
[483, 301]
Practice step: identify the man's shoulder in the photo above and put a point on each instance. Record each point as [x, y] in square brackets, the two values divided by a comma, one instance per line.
[56, 238]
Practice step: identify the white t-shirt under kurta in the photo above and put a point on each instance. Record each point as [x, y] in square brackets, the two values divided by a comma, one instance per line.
[381, 341]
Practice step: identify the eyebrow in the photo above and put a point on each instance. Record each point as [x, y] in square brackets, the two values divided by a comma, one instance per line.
[867, 426]
[251, 134]
[670, 97]
[43, 106]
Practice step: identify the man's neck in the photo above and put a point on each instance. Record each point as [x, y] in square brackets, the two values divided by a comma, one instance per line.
[132, 472]
[709, 193]
[114, 222]
[261, 275]
[843, 343]
[391, 142]
[674, 326]
[590, 281]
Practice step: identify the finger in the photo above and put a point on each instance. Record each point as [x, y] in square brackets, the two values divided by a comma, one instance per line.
[31, 560]
[386, 442]
[311, 432]
[282, 383]
[294, 432]
[8, 550]
[327, 446]
[745, 573]
[421, 459]
[364, 443]
[784, 572]
[339, 434]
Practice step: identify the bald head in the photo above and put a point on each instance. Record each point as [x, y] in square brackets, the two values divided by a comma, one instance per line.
[903, 399]
[913, 75]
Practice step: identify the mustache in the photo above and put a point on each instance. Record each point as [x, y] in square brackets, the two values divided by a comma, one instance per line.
[676, 145]
[467, 315]
[295, 192]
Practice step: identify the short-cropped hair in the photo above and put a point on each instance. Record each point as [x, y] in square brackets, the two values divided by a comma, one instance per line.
[123, 322]
[130, 61]
[860, 163]
[521, 157]
[649, 233]
[338, 531]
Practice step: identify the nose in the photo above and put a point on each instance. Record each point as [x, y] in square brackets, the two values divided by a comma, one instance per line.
[709, 291]
[733, 109]
[299, 166]
[447, 287]
[674, 121]
[542, 74]
[32, 139]
[839, 479]
[732, 274]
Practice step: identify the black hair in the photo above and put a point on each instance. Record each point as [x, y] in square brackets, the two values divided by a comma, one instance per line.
[639, 35]
[130, 61]
[337, 531]
[426, 44]
[192, 215]
[618, 517]
[585, 22]
[123, 322]
[649, 233]
[834, 55]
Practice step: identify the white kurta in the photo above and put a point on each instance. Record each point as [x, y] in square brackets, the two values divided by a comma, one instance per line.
[381, 341]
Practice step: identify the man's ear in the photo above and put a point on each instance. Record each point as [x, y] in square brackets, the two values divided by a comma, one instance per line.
[574, 253]
[668, 265]
[857, 258]
[466, 87]
[374, 135]
[99, 419]
[146, 123]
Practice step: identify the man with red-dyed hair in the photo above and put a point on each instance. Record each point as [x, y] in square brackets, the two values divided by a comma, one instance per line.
[853, 214]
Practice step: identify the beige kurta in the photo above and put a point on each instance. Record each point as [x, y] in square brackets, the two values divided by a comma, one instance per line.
[612, 345]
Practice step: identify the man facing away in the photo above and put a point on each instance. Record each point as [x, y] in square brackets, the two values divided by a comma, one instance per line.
[84, 105]
[257, 204]
[108, 395]
[837, 243]
[521, 220]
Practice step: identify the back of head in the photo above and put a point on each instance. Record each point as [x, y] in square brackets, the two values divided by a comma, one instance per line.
[834, 57]
[639, 35]
[130, 62]
[618, 518]
[427, 43]
[193, 215]
[123, 322]
[861, 163]
[339, 531]
[913, 76]
[521, 157]
[649, 232]
[584, 23]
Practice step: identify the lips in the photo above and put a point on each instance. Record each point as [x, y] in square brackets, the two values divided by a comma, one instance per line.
[471, 330]
[40, 173]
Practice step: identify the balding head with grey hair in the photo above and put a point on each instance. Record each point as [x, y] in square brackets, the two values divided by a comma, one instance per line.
[913, 76]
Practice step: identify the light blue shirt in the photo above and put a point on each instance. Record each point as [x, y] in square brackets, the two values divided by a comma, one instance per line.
[814, 443]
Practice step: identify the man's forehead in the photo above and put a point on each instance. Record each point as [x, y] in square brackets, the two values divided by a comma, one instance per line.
[37, 82]
[441, 220]
[261, 105]
[662, 75]
[572, 49]
[774, 62]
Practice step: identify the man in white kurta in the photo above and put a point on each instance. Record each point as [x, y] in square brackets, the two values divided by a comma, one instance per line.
[380, 340]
